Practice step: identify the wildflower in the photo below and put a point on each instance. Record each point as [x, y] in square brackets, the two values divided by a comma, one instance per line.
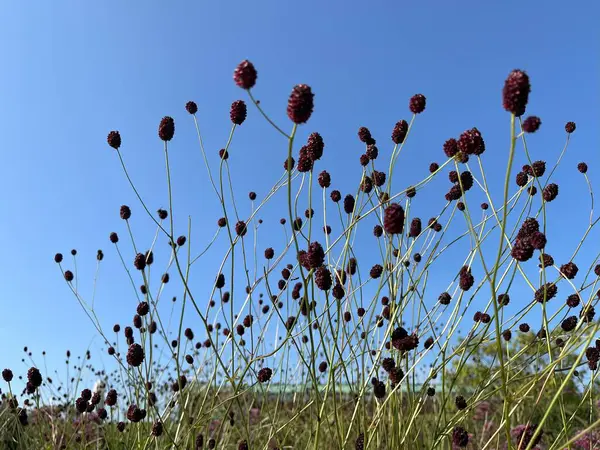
[531, 124]
[372, 152]
[393, 219]
[240, 228]
[376, 271]
[546, 292]
[396, 375]
[365, 136]
[378, 178]
[569, 270]
[516, 92]
[349, 203]
[300, 104]
[157, 428]
[466, 279]
[377, 231]
[166, 128]
[7, 375]
[470, 142]
[538, 240]
[140, 261]
[569, 323]
[191, 107]
[521, 179]
[34, 377]
[573, 301]
[238, 112]
[135, 355]
[546, 260]
[460, 437]
[460, 402]
[315, 256]
[305, 163]
[338, 291]
[264, 374]
[388, 364]
[523, 435]
[570, 127]
[444, 298]
[399, 132]
[360, 442]
[134, 414]
[114, 139]
[415, 227]
[379, 390]
[538, 168]
[245, 75]
[417, 103]
[522, 250]
[503, 299]
[324, 179]
[125, 212]
[111, 398]
[451, 147]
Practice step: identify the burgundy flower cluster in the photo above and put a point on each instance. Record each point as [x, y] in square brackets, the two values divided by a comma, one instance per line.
[529, 238]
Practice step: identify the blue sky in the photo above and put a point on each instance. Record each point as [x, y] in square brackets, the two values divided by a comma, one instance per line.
[72, 71]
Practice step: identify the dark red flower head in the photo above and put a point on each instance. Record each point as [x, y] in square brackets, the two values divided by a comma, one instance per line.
[135, 355]
[393, 219]
[531, 124]
[264, 374]
[324, 179]
[241, 228]
[550, 192]
[466, 279]
[460, 437]
[451, 147]
[238, 112]
[34, 377]
[516, 92]
[300, 104]
[315, 146]
[471, 142]
[191, 107]
[417, 103]
[365, 136]
[399, 132]
[166, 128]
[245, 75]
[570, 127]
[125, 212]
[114, 139]
[7, 375]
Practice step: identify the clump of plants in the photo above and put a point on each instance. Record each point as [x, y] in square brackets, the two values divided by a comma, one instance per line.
[365, 317]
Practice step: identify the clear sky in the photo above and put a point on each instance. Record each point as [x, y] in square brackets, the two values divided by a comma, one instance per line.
[74, 70]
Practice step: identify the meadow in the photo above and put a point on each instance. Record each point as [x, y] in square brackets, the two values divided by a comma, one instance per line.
[376, 322]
